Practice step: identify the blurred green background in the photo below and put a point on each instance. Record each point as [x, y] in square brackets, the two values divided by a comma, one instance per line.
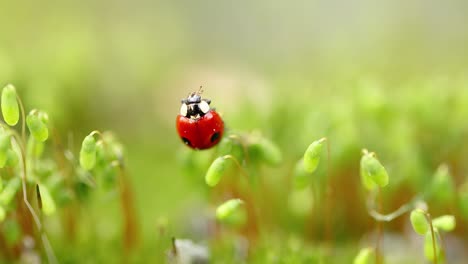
[390, 76]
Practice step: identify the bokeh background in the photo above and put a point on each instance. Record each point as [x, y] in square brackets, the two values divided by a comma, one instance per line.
[390, 76]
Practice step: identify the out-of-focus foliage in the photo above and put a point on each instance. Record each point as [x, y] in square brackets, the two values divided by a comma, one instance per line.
[389, 76]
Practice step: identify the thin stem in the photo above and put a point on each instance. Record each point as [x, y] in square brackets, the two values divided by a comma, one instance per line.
[20, 142]
[23, 118]
[390, 216]
[255, 213]
[244, 147]
[229, 156]
[96, 132]
[378, 249]
[23, 180]
[429, 219]
[128, 209]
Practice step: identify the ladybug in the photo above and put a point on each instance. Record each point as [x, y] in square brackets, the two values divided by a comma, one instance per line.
[199, 126]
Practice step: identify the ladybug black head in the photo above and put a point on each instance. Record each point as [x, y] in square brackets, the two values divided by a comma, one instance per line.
[194, 106]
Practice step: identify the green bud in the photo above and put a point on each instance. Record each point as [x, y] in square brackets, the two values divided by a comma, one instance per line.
[446, 223]
[312, 155]
[48, 203]
[5, 144]
[372, 172]
[365, 256]
[428, 247]
[9, 191]
[443, 188]
[419, 221]
[215, 171]
[10, 109]
[227, 209]
[88, 153]
[44, 117]
[36, 126]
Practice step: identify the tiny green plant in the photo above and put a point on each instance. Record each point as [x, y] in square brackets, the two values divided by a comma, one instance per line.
[227, 210]
[216, 171]
[50, 185]
[424, 225]
[374, 176]
[88, 152]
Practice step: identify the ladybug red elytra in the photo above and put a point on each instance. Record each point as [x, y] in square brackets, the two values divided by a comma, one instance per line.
[199, 126]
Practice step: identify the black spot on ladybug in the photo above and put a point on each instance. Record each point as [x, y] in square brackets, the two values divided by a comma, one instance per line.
[214, 137]
[186, 141]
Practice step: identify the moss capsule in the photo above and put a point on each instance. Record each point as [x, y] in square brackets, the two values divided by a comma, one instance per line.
[372, 171]
[36, 126]
[215, 171]
[88, 153]
[419, 221]
[312, 155]
[10, 109]
[227, 209]
[446, 223]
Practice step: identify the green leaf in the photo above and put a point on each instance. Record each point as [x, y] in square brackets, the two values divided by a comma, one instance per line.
[10, 109]
[312, 155]
[372, 172]
[88, 152]
[48, 203]
[216, 171]
[446, 223]
[227, 209]
[365, 256]
[36, 126]
[419, 221]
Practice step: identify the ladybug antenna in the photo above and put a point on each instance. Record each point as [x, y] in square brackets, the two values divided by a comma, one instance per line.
[200, 90]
